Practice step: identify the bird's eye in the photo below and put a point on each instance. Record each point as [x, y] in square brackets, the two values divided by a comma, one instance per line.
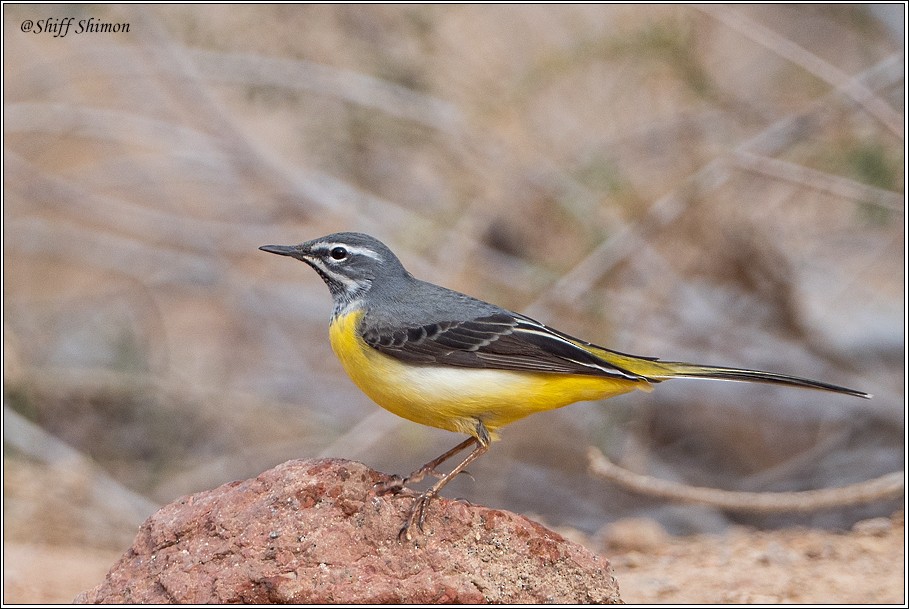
[338, 253]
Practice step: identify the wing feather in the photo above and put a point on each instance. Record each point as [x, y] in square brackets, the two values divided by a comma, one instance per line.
[502, 340]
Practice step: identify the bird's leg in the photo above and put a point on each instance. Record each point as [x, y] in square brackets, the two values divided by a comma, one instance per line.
[430, 468]
[397, 484]
[417, 514]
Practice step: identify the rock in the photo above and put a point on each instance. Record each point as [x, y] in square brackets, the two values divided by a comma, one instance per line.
[315, 532]
[634, 534]
[873, 526]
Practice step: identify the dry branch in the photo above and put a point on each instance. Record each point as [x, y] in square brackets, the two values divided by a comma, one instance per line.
[801, 56]
[772, 140]
[889, 486]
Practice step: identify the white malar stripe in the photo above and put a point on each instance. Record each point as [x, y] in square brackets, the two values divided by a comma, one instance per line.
[351, 286]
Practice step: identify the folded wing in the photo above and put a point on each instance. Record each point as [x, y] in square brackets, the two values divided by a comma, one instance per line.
[503, 341]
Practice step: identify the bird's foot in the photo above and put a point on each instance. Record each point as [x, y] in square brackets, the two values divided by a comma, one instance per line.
[416, 515]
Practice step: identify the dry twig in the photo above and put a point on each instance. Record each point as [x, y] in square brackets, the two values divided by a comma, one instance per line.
[888, 486]
[770, 141]
[801, 56]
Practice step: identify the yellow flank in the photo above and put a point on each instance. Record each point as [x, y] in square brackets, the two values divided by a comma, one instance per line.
[455, 398]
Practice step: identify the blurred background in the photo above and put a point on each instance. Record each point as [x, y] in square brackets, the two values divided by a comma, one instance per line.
[716, 184]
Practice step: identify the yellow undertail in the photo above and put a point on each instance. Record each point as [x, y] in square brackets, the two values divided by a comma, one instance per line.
[656, 371]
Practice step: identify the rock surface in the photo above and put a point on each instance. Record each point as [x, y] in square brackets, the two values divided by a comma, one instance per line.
[315, 532]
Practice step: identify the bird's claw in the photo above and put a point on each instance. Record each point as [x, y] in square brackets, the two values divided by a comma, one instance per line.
[416, 515]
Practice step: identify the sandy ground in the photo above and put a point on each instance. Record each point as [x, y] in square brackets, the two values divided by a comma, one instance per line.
[865, 565]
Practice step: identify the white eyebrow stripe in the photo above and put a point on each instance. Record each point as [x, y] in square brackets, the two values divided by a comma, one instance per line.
[353, 249]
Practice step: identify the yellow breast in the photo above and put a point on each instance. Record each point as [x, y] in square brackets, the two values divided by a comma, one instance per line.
[454, 398]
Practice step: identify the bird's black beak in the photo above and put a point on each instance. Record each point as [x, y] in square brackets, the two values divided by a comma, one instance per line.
[283, 250]
[294, 251]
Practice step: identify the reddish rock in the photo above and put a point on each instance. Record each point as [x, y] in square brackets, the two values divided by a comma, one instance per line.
[315, 532]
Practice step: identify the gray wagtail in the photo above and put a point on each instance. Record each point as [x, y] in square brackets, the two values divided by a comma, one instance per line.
[445, 359]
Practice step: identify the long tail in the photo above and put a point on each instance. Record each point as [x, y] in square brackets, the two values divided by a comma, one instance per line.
[694, 371]
[655, 370]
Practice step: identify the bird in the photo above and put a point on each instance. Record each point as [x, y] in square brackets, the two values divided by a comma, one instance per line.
[448, 360]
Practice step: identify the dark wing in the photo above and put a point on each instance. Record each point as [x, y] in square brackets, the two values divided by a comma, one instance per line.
[501, 340]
